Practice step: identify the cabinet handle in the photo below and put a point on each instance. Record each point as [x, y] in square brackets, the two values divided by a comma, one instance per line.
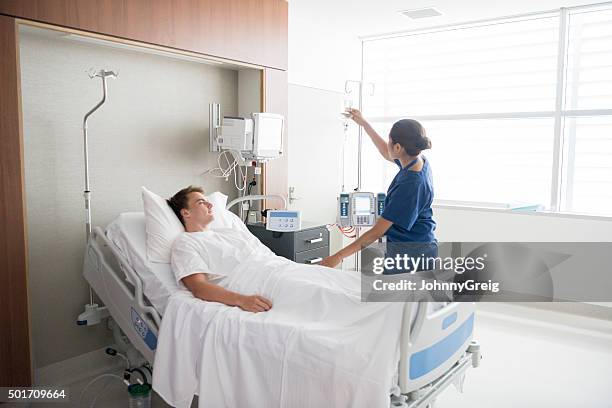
[314, 261]
[314, 240]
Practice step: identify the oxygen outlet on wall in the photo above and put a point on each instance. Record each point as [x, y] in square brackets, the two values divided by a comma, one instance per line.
[93, 314]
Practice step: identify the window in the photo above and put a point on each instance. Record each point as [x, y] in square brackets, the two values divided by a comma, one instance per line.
[511, 119]
[587, 131]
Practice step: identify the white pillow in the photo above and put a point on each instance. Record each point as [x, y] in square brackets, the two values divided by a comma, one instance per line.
[163, 227]
[221, 217]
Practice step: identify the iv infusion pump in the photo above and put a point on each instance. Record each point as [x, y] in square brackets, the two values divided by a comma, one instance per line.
[360, 209]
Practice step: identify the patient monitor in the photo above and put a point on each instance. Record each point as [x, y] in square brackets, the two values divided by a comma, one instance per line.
[359, 209]
[259, 137]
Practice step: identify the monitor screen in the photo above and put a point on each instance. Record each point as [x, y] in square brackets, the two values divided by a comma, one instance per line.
[284, 214]
[270, 133]
[362, 205]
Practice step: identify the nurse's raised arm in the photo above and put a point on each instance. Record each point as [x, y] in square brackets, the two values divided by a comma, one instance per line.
[378, 141]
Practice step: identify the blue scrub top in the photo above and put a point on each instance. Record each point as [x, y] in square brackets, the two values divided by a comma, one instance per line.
[408, 206]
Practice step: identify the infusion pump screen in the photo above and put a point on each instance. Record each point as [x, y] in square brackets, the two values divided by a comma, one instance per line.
[362, 205]
[270, 131]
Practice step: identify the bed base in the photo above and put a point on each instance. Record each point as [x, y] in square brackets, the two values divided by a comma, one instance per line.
[447, 332]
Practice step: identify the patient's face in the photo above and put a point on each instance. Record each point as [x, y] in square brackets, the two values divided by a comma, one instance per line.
[199, 210]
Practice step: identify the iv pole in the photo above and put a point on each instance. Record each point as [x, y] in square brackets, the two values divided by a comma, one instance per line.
[347, 90]
[87, 193]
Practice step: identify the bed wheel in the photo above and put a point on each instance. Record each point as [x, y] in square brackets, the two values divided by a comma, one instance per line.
[398, 401]
[474, 348]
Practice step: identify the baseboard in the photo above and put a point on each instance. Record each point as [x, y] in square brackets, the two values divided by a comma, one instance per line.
[77, 368]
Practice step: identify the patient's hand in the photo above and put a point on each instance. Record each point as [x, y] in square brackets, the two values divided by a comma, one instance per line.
[254, 303]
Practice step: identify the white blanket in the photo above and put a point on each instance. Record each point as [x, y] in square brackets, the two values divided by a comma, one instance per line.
[319, 346]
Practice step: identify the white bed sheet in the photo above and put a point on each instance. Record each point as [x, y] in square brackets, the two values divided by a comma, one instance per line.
[319, 346]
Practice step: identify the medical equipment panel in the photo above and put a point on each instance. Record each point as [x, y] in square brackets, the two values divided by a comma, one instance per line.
[141, 327]
[380, 204]
[343, 210]
[257, 137]
[359, 209]
[363, 209]
[236, 134]
[308, 245]
[283, 220]
[268, 129]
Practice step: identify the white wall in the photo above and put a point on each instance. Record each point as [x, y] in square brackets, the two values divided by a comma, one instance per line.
[153, 131]
[321, 54]
[315, 141]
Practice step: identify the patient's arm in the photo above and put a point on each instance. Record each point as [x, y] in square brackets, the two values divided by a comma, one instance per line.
[201, 288]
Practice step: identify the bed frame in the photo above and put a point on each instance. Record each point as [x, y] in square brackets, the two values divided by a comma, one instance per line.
[435, 350]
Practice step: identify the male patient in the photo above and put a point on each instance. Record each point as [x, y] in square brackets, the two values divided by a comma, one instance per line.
[200, 252]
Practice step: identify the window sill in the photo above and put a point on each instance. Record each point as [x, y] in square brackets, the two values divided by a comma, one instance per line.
[567, 215]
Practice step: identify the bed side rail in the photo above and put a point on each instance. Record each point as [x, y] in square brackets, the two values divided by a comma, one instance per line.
[133, 277]
[126, 304]
[434, 342]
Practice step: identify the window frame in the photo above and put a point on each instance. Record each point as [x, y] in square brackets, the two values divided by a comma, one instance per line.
[562, 146]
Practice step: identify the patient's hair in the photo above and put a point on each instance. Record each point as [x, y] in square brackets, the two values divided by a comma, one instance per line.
[410, 134]
[179, 201]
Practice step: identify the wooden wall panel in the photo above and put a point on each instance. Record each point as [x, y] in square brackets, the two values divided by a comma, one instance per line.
[276, 178]
[252, 31]
[15, 366]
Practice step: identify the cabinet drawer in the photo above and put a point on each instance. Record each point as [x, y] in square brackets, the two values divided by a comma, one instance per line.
[311, 239]
[313, 256]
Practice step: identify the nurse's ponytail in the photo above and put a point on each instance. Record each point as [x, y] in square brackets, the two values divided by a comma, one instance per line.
[410, 134]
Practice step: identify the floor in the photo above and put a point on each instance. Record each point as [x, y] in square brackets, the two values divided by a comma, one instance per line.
[530, 359]
[537, 359]
[114, 395]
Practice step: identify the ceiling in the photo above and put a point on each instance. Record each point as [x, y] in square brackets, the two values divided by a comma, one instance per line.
[367, 17]
[324, 44]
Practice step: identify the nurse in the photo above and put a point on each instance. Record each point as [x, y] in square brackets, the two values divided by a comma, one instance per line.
[407, 221]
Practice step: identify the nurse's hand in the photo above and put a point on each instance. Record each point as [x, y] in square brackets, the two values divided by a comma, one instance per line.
[254, 303]
[357, 117]
[331, 261]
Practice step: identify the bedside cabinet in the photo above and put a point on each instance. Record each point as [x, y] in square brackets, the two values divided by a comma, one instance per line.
[309, 245]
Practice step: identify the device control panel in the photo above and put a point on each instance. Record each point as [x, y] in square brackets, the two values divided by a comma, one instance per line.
[141, 327]
[283, 220]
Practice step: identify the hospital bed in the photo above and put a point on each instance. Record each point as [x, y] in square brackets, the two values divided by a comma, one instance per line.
[436, 346]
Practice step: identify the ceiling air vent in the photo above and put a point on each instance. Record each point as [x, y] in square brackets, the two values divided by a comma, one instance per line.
[421, 13]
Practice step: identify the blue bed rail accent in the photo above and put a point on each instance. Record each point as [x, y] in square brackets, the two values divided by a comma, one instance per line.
[141, 327]
[428, 359]
[448, 320]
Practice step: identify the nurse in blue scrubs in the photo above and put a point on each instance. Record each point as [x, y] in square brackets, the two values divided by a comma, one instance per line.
[407, 221]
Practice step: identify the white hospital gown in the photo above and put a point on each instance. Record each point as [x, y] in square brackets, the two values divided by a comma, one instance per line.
[216, 253]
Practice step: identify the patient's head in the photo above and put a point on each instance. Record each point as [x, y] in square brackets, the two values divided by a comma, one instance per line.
[192, 208]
